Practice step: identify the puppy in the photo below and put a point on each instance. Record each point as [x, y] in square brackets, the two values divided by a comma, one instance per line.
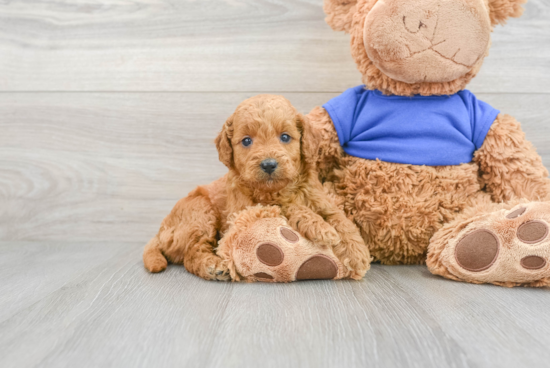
[269, 149]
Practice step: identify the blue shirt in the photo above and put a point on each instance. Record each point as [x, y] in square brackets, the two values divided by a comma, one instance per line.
[418, 130]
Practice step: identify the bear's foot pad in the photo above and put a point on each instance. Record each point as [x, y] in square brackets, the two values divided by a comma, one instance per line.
[507, 247]
[263, 275]
[533, 262]
[270, 254]
[532, 232]
[477, 251]
[317, 268]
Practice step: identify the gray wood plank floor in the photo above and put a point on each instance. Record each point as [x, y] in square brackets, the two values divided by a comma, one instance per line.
[108, 111]
[75, 306]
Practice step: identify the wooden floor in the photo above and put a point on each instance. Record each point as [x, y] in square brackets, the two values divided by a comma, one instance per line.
[108, 110]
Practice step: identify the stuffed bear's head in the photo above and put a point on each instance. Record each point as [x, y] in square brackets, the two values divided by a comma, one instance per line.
[427, 47]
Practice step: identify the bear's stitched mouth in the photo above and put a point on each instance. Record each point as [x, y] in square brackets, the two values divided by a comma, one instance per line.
[431, 48]
[436, 53]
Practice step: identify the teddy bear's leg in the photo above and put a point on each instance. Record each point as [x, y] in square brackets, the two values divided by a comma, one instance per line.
[502, 244]
[261, 246]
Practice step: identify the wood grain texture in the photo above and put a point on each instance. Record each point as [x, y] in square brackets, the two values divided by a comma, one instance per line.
[219, 45]
[111, 166]
[115, 314]
[30, 271]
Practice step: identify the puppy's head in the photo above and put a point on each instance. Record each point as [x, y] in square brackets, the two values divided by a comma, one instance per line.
[262, 143]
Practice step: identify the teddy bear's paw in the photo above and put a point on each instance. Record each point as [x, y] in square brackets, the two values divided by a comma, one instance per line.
[507, 247]
[271, 251]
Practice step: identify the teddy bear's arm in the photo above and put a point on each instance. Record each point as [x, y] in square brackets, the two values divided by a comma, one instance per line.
[329, 150]
[509, 164]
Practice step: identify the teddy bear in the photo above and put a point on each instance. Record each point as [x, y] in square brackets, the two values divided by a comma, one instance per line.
[427, 171]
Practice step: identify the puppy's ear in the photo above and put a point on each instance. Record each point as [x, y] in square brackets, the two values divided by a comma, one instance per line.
[309, 141]
[501, 10]
[340, 13]
[223, 143]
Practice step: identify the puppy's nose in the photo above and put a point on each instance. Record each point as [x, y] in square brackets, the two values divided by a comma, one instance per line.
[269, 165]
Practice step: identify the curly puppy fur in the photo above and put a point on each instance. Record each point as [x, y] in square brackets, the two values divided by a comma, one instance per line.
[189, 234]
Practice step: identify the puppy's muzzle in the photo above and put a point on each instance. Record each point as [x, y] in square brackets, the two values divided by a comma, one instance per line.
[269, 165]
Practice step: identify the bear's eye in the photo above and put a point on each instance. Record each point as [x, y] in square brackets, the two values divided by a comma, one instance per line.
[247, 141]
[285, 138]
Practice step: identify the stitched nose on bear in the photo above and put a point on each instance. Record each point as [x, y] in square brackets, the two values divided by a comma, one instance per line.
[269, 165]
[415, 41]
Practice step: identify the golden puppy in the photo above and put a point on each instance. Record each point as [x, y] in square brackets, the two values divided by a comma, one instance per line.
[269, 148]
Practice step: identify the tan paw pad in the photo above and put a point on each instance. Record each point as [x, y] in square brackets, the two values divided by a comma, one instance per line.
[533, 262]
[263, 275]
[289, 235]
[270, 254]
[532, 232]
[516, 213]
[477, 251]
[318, 267]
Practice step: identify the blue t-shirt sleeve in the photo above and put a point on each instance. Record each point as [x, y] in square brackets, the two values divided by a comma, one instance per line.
[342, 112]
[482, 116]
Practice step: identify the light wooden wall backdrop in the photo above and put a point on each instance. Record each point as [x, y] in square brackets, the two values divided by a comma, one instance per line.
[108, 109]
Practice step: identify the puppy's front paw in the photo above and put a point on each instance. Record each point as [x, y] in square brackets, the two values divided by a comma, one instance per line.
[355, 256]
[218, 271]
[357, 269]
[327, 235]
[321, 234]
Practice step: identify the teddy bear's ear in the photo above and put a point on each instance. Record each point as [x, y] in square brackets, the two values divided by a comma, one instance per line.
[340, 13]
[500, 10]
[223, 143]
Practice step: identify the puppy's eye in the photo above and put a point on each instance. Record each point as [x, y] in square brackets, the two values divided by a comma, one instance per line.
[285, 138]
[247, 141]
